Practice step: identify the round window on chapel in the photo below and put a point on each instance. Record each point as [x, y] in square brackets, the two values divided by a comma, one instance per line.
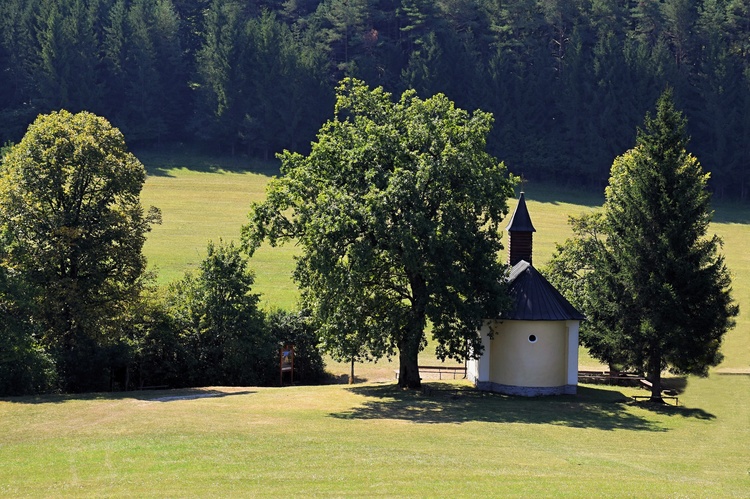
[532, 338]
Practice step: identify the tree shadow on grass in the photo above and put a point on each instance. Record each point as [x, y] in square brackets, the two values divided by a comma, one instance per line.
[731, 212]
[143, 395]
[166, 170]
[672, 387]
[555, 194]
[667, 409]
[160, 161]
[674, 384]
[446, 403]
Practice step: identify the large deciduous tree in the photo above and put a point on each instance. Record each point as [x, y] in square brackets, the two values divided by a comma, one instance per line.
[647, 271]
[69, 205]
[397, 208]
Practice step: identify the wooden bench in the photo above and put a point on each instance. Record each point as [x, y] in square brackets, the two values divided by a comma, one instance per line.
[649, 386]
[440, 370]
[608, 377]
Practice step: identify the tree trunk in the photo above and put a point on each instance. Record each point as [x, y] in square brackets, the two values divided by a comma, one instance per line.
[654, 376]
[613, 371]
[408, 365]
[351, 373]
[408, 344]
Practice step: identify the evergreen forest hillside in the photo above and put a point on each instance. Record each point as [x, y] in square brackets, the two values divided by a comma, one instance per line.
[568, 81]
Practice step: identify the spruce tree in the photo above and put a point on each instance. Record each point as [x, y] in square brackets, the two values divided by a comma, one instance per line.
[653, 263]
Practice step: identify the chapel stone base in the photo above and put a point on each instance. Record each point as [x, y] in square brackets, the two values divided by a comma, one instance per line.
[526, 391]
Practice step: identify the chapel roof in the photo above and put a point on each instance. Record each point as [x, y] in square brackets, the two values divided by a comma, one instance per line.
[521, 220]
[535, 299]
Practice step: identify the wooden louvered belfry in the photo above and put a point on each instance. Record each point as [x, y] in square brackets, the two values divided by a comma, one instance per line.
[520, 233]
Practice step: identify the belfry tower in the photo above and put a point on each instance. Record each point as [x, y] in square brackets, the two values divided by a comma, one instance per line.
[521, 234]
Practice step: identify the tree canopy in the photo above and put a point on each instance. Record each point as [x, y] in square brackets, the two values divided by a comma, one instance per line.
[567, 82]
[645, 270]
[397, 208]
[75, 228]
[218, 316]
[78, 311]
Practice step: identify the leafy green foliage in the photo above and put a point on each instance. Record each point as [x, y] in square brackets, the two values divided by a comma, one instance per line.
[219, 323]
[656, 287]
[297, 328]
[4, 149]
[69, 206]
[25, 368]
[397, 209]
[568, 82]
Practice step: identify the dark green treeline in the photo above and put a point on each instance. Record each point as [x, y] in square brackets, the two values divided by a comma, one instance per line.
[568, 81]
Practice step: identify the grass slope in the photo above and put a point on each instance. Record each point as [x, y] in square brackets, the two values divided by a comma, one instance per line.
[208, 201]
[203, 200]
[373, 440]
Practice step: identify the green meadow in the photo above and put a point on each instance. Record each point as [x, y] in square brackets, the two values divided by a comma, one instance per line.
[371, 439]
[204, 199]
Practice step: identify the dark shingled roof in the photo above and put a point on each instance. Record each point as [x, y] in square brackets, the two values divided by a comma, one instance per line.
[535, 299]
[521, 221]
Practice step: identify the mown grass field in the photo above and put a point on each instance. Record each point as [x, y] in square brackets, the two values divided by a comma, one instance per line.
[203, 200]
[371, 439]
[375, 441]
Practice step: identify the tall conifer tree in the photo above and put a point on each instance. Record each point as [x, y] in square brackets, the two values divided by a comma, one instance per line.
[653, 265]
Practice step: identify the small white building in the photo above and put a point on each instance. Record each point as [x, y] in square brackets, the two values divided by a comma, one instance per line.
[532, 349]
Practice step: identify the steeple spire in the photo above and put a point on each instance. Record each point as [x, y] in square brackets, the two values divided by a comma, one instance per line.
[520, 232]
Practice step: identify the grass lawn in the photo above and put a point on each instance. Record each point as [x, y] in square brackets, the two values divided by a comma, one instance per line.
[208, 201]
[374, 440]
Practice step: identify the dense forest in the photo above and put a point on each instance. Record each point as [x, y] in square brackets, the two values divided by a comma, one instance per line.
[568, 81]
